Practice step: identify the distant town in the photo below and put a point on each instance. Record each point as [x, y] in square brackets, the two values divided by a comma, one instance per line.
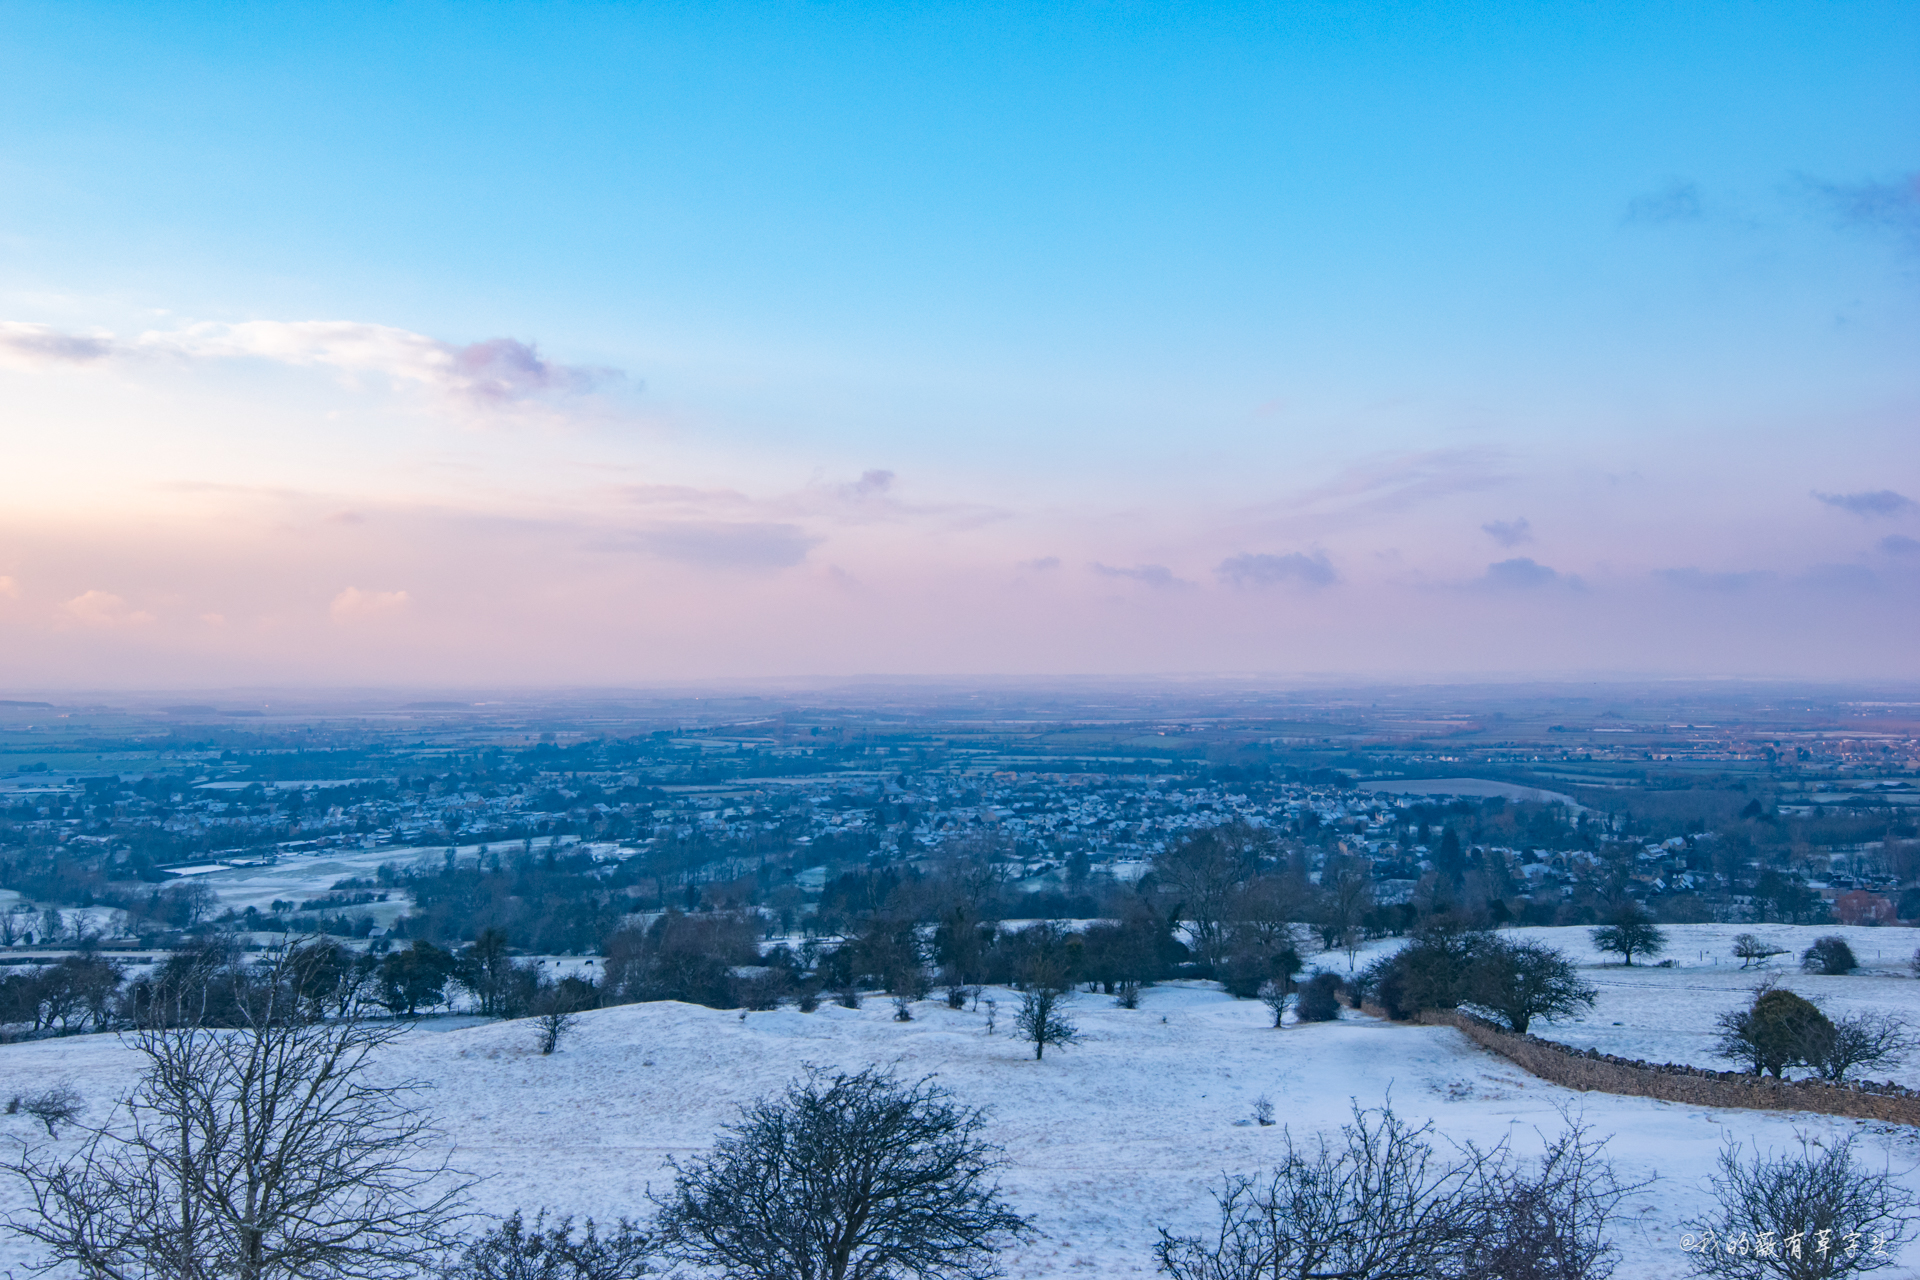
[137, 825]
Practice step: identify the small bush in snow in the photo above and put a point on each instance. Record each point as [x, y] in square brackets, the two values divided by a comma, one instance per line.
[1830, 955]
[513, 1251]
[1319, 999]
[53, 1107]
[1379, 1203]
[1817, 1215]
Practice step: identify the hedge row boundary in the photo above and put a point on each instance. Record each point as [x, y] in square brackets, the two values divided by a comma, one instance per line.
[1589, 1070]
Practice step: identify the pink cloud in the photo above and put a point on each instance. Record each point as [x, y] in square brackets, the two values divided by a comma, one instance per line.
[104, 609]
[355, 605]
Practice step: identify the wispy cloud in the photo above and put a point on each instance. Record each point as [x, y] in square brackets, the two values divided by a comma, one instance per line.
[718, 545]
[1874, 206]
[490, 374]
[1690, 578]
[1678, 200]
[1876, 502]
[1395, 482]
[1151, 575]
[1899, 544]
[1509, 533]
[1259, 569]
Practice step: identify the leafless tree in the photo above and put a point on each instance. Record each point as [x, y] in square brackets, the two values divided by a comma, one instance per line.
[1815, 1215]
[1276, 997]
[1751, 950]
[513, 1251]
[859, 1176]
[1864, 1040]
[1203, 873]
[260, 1153]
[1545, 1219]
[56, 1106]
[1040, 1019]
[556, 1012]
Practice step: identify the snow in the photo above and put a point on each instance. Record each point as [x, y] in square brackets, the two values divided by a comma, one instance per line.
[1104, 1140]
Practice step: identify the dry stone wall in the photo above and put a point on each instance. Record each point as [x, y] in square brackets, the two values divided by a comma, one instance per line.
[1598, 1072]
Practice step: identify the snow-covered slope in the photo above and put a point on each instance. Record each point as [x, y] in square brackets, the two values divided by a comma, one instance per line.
[1104, 1140]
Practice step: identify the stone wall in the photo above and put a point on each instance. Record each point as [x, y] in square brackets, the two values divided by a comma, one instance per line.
[1671, 1082]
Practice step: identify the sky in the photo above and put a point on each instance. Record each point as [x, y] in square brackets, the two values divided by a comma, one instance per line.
[562, 344]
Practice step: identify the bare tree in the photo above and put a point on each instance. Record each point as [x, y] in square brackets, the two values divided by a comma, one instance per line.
[56, 1106]
[1203, 872]
[1815, 1215]
[262, 1153]
[512, 1251]
[556, 1012]
[1751, 950]
[1277, 998]
[844, 1176]
[1864, 1040]
[1041, 1021]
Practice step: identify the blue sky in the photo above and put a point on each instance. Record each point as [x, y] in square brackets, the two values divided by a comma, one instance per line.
[1135, 289]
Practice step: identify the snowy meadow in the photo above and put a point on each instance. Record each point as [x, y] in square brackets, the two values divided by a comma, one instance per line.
[1105, 1141]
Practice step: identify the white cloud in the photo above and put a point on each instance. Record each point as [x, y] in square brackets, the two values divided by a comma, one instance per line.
[493, 373]
[104, 609]
[355, 605]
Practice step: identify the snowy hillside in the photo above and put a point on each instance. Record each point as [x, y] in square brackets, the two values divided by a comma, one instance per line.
[1105, 1140]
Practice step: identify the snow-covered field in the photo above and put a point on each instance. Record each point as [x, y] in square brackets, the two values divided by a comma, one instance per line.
[1667, 1015]
[1104, 1140]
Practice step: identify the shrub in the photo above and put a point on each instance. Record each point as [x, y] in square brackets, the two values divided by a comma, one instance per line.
[52, 1108]
[511, 1251]
[1379, 1203]
[1778, 1030]
[846, 1175]
[1830, 955]
[1820, 1213]
[1319, 999]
